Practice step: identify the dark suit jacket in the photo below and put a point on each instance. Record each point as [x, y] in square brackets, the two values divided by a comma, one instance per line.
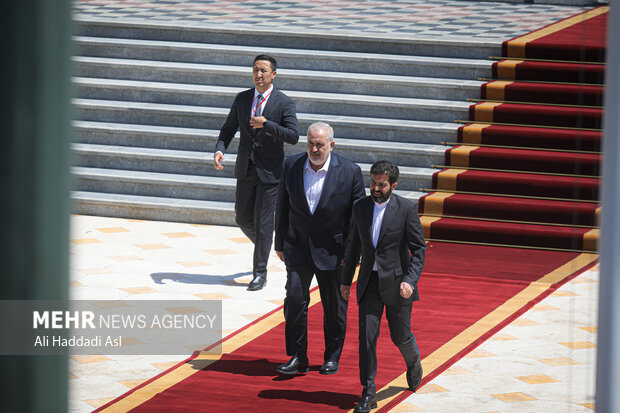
[400, 249]
[319, 237]
[281, 126]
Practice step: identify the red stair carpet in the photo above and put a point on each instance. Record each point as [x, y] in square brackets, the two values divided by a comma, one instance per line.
[512, 217]
[527, 171]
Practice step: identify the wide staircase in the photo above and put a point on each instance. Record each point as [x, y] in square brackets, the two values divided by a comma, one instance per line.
[526, 170]
[150, 99]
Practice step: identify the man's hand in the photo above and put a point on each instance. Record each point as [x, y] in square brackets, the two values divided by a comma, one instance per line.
[257, 121]
[280, 255]
[345, 291]
[405, 290]
[218, 160]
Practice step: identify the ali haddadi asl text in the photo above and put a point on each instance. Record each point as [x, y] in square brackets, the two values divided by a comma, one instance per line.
[78, 341]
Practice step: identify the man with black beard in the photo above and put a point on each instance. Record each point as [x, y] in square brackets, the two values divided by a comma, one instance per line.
[387, 232]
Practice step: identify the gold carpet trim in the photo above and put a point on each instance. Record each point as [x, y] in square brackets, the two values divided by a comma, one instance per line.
[590, 239]
[473, 133]
[447, 179]
[483, 112]
[459, 156]
[433, 203]
[507, 69]
[496, 90]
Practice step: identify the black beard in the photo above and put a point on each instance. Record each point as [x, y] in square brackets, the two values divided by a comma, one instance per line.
[382, 198]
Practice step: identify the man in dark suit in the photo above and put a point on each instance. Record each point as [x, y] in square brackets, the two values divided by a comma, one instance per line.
[315, 198]
[266, 119]
[387, 231]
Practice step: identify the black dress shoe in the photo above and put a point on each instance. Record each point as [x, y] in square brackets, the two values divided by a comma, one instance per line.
[329, 367]
[366, 404]
[414, 376]
[257, 283]
[293, 366]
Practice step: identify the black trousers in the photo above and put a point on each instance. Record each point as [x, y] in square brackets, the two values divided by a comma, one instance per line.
[399, 321]
[296, 311]
[255, 204]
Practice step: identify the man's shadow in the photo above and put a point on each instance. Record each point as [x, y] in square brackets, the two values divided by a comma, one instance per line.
[205, 279]
[263, 367]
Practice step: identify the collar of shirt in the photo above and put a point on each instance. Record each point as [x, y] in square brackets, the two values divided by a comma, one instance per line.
[383, 205]
[324, 168]
[265, 95]
[263, 101]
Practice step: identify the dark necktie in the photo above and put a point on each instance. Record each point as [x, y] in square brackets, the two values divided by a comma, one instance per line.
[258, 111]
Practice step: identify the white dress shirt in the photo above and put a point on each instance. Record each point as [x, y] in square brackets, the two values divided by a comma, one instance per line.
[377, 221]
[313, 183]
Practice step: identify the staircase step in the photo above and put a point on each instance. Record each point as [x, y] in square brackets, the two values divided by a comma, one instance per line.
[156, 208]
[351, 127]
[190, 187]
[508, 183]
[269, 37]
[542, 115]
[306, 102]
[199, 163]
[153, 208]
[548, 93]
[121, 181]
[302, 59]
[287, 79]
[530, 137]
[527, 235]
[524, 160]
[518, 69]
[203, 140]
[513, 209]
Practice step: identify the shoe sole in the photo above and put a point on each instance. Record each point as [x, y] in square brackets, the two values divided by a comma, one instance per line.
[372, 406]
[327, 373]
[292, 373]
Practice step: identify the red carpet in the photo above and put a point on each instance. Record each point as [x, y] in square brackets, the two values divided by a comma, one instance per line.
[530, 137]
[578, 38]
[588, 95]
[527, 160]
[512, 69]
[512, 209]
[527, 172]
[464, 302]
[540, 115]
[508, 183]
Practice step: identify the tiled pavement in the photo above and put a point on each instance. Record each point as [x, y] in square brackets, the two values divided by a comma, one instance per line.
[401, 18]
[544, 361]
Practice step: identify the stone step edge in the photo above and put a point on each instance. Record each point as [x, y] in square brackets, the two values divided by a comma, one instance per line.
[344, 36]
[179, 131]
[194, 156]
[176, 203]
[209, 110]
[296, 74]
[166, 87]
[211, 136]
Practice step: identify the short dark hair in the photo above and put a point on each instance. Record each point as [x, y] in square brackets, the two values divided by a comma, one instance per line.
[385, 168]
[268, 58]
